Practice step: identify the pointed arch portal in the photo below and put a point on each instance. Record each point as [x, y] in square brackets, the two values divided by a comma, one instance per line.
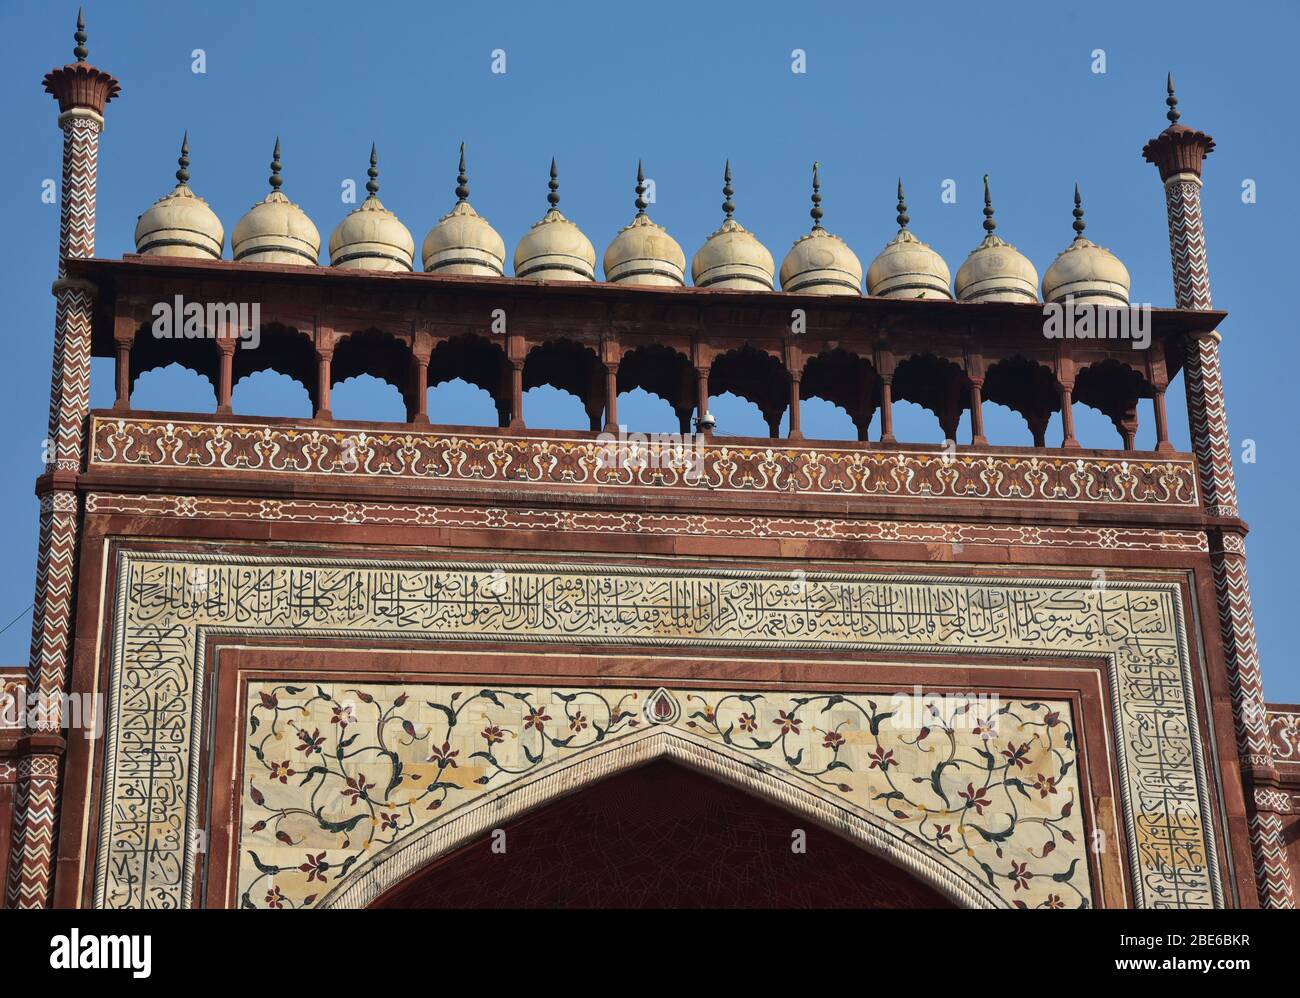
[717, 780]
[661, 836]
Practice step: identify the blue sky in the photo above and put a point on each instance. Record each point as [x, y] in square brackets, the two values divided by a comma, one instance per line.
[929, 92]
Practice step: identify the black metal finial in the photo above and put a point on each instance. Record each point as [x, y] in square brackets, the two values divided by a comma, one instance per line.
[554, 184]
[728, 207]
[462, 178]
[183, 174]
[640, 190]
[816, 212]
[1079, 223]
[902, 218]
[989, 224]
[80, 38]
[276, 181]
[372, 185]
[1172, 114]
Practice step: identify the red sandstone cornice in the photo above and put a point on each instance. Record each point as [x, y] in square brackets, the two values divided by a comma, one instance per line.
[1178, 149]
[79, 84]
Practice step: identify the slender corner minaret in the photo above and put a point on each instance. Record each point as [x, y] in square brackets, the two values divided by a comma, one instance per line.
[82, 92]
[1179, 153]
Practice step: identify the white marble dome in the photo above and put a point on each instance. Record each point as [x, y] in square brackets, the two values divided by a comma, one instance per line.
[643, 252]
[995, 270]
[462, 242]
[907, 267]
[555, 249]
[276, 230]
[820, 263]
[371, 237]
[1086, 273]
[180, 223]
[732, 257]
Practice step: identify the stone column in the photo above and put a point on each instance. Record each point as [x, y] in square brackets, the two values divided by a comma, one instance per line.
[124, 326]
[611, 398]
[226, 370]
[1179, 153]
[82, 92]
[1066, 389]
[324, 378]
[419, 410]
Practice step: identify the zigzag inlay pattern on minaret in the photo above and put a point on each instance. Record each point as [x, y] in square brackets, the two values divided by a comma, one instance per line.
[49, 665]
[1208, 420]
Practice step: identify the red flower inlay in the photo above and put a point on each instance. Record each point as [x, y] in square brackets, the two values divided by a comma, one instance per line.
[975, 798]
[788, 722]
[356, 789]
[444, 756]
[315, 867]
[1016, 756]
[537, 718]
[281, 771]
[311, 744]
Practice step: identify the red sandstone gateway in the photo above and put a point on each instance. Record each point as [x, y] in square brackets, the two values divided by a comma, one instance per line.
[351, 664]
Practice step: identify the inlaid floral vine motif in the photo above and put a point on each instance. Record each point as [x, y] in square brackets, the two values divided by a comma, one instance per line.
[333, 772]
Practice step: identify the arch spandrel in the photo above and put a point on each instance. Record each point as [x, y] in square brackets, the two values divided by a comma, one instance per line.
[351, 789]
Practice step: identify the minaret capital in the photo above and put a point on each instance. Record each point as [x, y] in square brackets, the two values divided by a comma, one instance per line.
[1178, 150]
[79, 85]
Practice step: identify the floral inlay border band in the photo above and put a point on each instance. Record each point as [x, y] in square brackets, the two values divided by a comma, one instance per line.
[167, 604]
[776, 468]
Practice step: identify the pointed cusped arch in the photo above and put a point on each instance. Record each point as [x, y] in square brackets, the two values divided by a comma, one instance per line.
[845, 379]
[571, 367]
[1027, 388]
[937, 384]
[378, 354]
[1114, 389]
[150, 352]
[478, 361]
[283, 350]
[664, 372]
[756, 376]
[387, 868]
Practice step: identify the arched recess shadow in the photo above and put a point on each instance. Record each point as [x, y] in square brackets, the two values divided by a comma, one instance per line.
[660, 836]
[390, 866]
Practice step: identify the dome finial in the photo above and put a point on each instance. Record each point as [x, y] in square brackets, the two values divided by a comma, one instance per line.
[640, 190]
[1079, 223]
[80, 38]
[816, 212]
[728, 207]
[989, 224]
[553, 199]
[183, 174]
[1172, 100]
[902, 218]
[372, 185]
[275, 179]
[462, 178]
